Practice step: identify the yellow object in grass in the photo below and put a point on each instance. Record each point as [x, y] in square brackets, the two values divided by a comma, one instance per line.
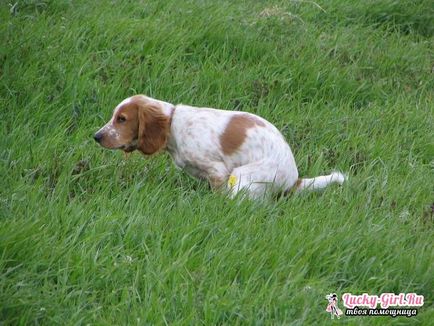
[232, 181]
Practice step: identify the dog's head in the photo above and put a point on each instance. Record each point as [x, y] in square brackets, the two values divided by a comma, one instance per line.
[138, 122]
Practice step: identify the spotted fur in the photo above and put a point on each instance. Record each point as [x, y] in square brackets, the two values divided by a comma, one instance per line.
[211, 144]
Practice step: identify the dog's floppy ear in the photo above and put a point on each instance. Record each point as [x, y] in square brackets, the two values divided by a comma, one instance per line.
[153, 128]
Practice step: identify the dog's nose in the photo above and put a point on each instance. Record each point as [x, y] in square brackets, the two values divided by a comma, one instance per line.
[97, 137]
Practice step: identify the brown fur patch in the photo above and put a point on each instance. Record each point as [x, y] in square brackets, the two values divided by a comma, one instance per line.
[297, 184]
[127, 130]
[154, 127]
[138, 124]
[236, 131]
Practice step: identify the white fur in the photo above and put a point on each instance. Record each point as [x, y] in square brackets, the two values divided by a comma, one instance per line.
[109, 126]
[322, 181]
[264, 162]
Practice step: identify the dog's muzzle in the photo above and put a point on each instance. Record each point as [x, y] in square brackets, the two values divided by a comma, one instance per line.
[98, 136]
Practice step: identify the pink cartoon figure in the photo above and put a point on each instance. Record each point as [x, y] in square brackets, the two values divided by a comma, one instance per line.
[332, 307]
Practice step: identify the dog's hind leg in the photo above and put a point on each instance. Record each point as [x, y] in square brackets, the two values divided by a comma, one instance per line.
[259, 179]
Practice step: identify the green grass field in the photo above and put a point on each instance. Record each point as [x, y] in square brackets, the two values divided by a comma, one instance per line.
[87, 237]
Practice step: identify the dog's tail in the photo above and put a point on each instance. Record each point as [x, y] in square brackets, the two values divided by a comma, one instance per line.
[320, 182]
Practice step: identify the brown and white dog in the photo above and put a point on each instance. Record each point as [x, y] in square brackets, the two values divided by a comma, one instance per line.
[231, 149]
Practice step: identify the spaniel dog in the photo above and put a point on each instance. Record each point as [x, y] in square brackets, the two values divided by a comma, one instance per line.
[235, 150]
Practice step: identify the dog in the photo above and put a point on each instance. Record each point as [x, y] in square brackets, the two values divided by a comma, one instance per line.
[233, 150]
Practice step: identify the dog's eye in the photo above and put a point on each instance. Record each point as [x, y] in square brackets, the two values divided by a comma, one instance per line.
[121, 119]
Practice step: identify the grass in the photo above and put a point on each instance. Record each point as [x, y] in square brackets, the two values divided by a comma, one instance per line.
[87, 237]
